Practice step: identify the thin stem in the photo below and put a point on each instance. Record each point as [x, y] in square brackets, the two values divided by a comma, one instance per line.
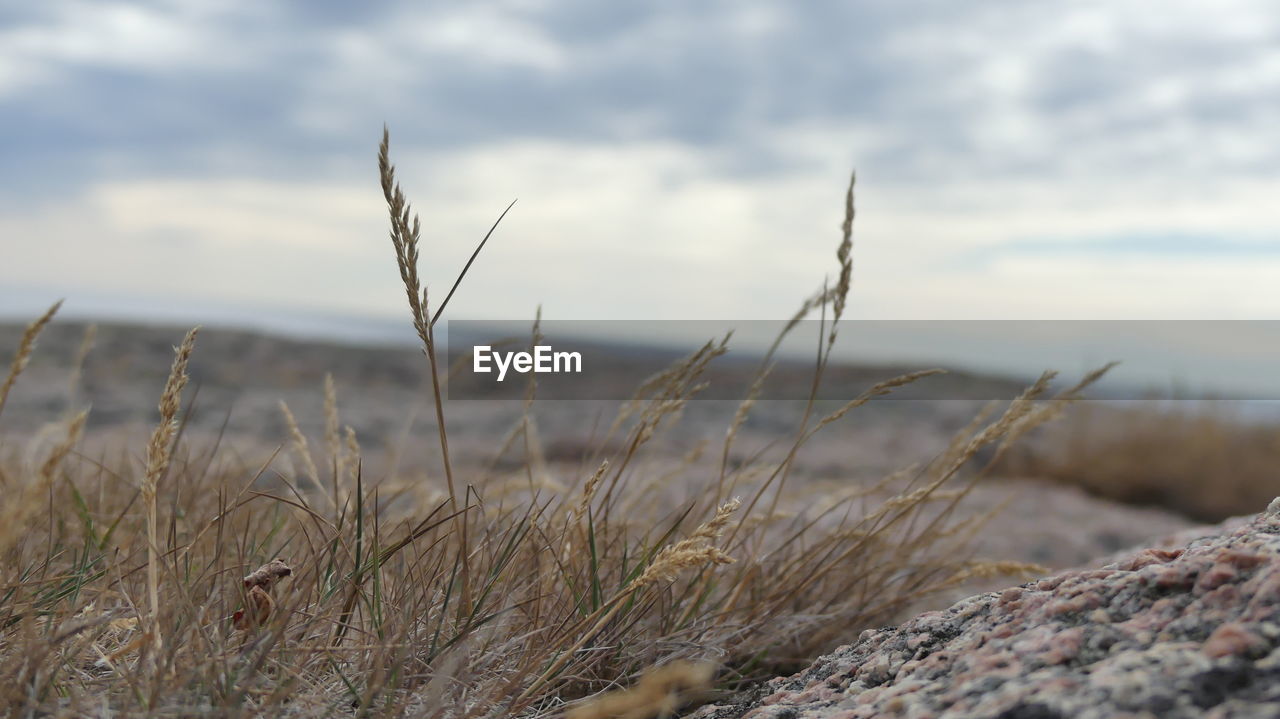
[460, 519]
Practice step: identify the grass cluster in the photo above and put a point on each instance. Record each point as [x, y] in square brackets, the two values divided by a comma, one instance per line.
[1204, 460]
[181, 578]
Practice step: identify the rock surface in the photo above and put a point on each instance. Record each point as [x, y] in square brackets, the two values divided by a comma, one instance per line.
[1192, 631]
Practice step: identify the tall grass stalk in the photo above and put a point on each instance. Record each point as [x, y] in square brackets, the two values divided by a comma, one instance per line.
[159, 451]
[405, 233]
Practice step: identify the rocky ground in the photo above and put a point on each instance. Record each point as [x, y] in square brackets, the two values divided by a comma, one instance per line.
[1192, 630]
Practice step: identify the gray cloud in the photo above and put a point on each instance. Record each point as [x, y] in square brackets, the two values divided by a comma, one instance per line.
[991, 87]
[297, 88]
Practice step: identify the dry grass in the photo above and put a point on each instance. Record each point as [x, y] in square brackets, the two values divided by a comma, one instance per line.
[26, 346]
[660, 692]
[1205, 461]
[159, 452]
[487, 602]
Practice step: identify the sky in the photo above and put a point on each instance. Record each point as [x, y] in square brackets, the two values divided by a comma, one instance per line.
[201, 159]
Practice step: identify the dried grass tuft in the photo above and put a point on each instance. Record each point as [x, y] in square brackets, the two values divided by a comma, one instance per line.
[1207, 461]
[659, 693]
[26, 346]
[301, 448]
[22, 502]
[693, 551]
[158, 454]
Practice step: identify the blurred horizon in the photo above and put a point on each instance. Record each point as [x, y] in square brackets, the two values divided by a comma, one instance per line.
[1158, 359]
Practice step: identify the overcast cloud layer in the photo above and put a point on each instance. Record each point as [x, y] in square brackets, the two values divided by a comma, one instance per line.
[671, 159]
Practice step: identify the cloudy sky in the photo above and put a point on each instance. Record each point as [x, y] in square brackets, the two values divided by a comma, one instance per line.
[216, 158]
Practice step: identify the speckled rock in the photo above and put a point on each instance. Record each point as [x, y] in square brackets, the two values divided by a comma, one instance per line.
[1191, 631]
